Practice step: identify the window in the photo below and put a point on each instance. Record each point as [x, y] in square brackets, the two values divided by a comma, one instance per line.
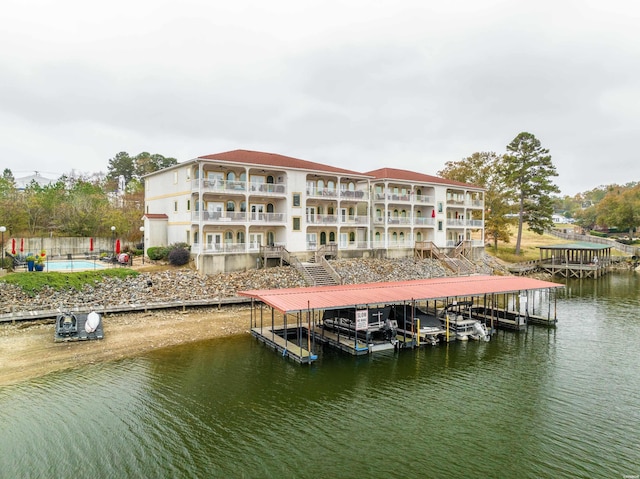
[188, 205]
[240, 237]
[231, 176]
[231, 206]
[175, 206]
[188, 173]
[352, 237]
[440, 225]
[332, 237]
[439, 206]
[296, 223]
[296, 199]
[175, 177]
[228, 237]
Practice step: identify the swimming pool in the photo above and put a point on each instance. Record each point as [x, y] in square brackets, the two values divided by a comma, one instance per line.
[72, 265]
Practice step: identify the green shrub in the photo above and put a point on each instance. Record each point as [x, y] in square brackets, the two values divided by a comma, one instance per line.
[598, 234]
[157, 253]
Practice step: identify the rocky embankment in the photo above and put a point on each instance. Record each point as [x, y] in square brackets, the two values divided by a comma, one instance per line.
[185, 285]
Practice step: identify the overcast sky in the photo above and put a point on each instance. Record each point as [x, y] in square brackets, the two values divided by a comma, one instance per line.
[355, 84]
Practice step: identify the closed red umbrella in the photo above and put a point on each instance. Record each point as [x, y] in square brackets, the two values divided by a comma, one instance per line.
[13, 246]
[22, 245]
[90, 244]
[117, 246]
[433, 213]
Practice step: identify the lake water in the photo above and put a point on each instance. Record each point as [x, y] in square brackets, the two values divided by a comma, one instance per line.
[545, 403]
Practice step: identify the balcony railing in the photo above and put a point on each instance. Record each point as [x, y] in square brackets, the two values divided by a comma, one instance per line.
[455, 222]
[322, 219]
[322, 192]
[424, 199]
[233, 216]
[268, 188]
[220, 186]
[354, 220]
[354, 194]
[221, 248]
[424, 221]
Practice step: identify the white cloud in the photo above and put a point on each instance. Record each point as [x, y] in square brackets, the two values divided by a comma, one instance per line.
[405, 83]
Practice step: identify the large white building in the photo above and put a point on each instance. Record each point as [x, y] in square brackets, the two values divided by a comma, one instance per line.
[230, 206]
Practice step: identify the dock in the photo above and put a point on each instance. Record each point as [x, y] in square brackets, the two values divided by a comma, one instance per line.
[509, 319]
[357, 309]
[279, 338]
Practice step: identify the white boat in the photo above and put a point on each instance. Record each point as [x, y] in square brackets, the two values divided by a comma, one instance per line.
[465, 328]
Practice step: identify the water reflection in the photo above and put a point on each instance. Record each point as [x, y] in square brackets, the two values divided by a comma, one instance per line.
[541, 403]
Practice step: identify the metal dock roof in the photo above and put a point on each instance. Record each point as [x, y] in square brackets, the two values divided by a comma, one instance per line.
[330, 297]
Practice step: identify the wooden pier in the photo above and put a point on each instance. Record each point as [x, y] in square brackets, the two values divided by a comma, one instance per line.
[572, 260]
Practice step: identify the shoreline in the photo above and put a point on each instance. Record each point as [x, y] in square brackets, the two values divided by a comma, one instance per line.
[28, 349]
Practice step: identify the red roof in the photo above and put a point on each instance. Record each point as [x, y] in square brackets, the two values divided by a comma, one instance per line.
[406, 175]
[155, 216]
[271, 159]
[332, 297]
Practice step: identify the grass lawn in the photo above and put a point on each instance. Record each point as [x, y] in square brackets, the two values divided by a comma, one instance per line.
[528, 247]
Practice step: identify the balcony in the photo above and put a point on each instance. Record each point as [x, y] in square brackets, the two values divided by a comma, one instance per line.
[354, 220]
[215, 185]
[424, 221]
[424, 199]
[269, 189]
[322, 219]
[212, 248]
[398, 220]
[455, 222]
[358, 195]
[221, 217]
[321, 192]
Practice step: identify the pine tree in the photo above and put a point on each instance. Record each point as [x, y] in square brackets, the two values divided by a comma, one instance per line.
[528, 172]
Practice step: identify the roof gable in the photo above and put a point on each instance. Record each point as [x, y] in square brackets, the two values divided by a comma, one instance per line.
[406, 175]
[272, 159]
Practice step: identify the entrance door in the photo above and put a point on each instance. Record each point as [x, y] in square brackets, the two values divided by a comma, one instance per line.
[214, 241]
[216, 180]
[257, 212]
[255, 241]
[343, 240]
[311, 214]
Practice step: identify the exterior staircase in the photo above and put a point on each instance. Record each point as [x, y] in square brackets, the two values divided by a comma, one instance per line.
[319, 274]
[316, 272]
[456, 261]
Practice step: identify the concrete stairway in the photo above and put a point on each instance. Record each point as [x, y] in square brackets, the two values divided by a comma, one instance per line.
[319, 274]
